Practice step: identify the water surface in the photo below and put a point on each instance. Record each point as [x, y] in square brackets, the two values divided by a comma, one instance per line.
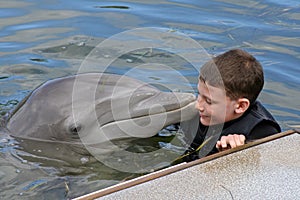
[41, 40]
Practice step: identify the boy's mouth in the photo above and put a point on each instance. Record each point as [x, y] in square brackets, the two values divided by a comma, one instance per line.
[203, 116]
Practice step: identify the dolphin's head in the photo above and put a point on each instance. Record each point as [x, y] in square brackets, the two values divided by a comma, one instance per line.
[96, 108]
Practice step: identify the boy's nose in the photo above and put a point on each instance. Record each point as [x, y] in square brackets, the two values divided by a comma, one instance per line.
[199, 104]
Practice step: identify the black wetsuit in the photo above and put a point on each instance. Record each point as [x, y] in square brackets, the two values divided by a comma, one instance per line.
[255, 123]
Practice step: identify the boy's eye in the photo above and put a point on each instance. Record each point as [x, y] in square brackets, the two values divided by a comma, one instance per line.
[208, 101]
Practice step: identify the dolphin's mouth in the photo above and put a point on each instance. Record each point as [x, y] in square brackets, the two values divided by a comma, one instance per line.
[162, 119]
[170, 105]
[140, 126]
[176, 114]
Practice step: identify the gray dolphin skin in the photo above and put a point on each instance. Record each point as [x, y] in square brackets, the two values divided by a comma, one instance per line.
[93, 108]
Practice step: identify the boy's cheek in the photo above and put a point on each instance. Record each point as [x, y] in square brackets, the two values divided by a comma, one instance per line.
[217, 118]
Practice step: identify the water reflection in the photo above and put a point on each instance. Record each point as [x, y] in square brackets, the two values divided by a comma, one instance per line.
[41, 40]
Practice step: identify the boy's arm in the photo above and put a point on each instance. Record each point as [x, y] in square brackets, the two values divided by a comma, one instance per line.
[262, 130]
[234, 140]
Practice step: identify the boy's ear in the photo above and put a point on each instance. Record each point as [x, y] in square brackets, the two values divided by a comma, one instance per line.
[242, 105]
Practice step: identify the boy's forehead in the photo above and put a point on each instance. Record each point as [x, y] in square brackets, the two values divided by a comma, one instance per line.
[210, 90]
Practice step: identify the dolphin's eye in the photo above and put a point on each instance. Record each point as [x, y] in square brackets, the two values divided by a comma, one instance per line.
[74, 129]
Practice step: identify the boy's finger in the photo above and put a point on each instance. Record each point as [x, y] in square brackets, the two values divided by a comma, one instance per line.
[237, 139]
[218, 145]
[224, 142]
[233, 142]
[242, 139]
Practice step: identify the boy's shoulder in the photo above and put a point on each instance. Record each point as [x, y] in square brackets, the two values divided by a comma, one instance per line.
[257, 114]
[259, 111]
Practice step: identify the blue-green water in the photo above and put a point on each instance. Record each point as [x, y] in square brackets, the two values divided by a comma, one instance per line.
[41, 40]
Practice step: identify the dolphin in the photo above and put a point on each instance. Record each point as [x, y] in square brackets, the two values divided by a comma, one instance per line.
[94, 108]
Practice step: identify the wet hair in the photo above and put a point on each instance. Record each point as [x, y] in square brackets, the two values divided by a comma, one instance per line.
[238, 72]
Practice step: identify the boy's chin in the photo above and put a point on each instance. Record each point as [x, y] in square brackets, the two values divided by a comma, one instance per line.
[206, 121]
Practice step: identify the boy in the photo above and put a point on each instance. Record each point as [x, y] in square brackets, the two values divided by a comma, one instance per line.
[228, 87]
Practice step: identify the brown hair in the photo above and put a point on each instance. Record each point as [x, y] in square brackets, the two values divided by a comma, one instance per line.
[238, 72]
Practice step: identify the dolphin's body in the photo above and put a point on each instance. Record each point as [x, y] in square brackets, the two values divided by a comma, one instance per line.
[94, 108]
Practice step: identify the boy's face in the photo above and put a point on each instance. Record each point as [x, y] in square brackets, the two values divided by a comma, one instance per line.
[213, 105]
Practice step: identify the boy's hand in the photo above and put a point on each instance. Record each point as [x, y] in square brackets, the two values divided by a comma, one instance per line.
[230, 141]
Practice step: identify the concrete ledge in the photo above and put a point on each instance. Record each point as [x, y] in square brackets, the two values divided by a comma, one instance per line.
[244, 174]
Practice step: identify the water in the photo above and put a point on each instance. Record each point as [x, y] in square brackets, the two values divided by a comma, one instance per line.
[41, 40]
